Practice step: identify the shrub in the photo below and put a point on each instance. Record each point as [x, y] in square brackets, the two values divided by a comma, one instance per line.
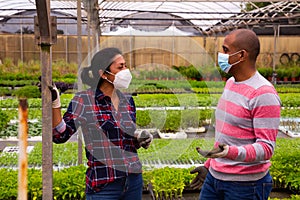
[27, 92]
[266, 71]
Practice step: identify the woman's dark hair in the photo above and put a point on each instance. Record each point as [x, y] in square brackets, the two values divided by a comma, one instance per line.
[101, 60]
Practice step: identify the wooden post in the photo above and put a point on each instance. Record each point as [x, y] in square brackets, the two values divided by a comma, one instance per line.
[23, 162]
[46, 123]
[45, 34]
[79, 84]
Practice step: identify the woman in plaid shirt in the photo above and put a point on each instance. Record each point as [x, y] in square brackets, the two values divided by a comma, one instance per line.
[108, 122]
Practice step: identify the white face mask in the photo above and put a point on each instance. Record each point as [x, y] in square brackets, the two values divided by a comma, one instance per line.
[122, 79]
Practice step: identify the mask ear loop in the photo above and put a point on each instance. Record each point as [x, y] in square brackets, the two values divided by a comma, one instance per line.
[105, 78]
[235, 63]
[110, 73]
[235, 54]
[108, 80]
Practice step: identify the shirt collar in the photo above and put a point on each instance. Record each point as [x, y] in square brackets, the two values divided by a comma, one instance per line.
[100, 95]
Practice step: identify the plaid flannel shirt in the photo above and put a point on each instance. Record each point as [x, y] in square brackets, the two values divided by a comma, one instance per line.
[111, 148]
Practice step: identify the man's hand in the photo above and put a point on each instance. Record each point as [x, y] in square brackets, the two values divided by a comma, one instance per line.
[198, 181]
[219, 152]
[55, 96]
[144, 139]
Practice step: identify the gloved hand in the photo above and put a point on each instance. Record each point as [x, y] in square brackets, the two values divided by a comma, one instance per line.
[144, 139]
[198, 181]
[219, 152]
[54, 93]
[55, 96]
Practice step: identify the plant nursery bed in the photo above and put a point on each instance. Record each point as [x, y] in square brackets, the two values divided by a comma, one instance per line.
[290, 127]
[194, 194]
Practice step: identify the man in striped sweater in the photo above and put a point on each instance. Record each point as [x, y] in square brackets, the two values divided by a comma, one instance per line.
[247, 120]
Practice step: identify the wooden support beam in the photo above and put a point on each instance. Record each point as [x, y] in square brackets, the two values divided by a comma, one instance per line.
[43, 19]
[191, 1]
[45, 32]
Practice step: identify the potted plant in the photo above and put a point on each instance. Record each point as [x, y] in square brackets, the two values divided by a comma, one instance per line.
[266, 72]
[295, 73]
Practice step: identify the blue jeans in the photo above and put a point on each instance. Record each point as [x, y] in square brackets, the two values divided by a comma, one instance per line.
[127, 188]
[236, 190]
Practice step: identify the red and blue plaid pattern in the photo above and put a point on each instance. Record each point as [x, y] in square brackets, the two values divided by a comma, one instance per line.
[111, 148]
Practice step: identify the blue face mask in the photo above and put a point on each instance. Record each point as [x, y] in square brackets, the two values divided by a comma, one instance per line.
[223, 61]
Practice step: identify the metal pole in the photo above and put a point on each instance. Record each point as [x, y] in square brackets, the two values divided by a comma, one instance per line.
[67, 48]
[274, 75]
[23, 162]
[216, 48]
[89, 37]
[131, 64]
[21, 45]
[79, 83]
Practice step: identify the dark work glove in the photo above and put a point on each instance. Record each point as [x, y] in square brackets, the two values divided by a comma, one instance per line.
[198, 181]
[144, 139]
[219, 152]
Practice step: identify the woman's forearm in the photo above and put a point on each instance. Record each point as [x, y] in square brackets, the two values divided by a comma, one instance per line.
[56, 116]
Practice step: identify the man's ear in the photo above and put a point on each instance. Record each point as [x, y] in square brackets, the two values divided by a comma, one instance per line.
[244, 55]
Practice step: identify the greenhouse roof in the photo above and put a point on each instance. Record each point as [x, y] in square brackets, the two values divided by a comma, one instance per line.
[284, 13]
[190, 15]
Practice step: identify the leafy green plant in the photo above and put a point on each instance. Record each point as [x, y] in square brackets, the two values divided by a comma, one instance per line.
[68, 183]
[4, 91]
[173, 120]
[166, 182]
[60, 157]
[287, 88]
[189, 72]
[290, 100]
[32, 70]
[3, 120]
[266, 71]
[175, 151]
[285, 168]
[35, 184]
[27, 92]
[8, 184]
[171, 100]
[11, 130]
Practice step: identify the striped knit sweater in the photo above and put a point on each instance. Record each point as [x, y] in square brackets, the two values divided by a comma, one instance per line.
[247, 119]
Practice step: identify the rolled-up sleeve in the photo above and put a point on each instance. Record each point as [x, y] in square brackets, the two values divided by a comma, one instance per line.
[69, 124]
